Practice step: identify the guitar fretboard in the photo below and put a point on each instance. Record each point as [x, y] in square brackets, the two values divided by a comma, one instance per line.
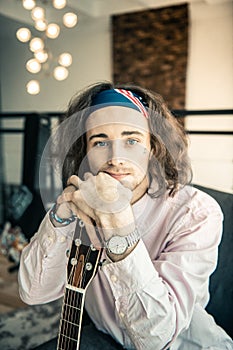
[82, 266]
[70, 323]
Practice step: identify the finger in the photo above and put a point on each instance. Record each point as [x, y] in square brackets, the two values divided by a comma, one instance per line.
[77, 200]
[74, 180]
[65, 197]
[74, 209]
[90, 230]
[87, 176]
[70, 188]
[95, 241]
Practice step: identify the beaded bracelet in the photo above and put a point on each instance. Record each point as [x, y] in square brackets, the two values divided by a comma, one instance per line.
[63, 222]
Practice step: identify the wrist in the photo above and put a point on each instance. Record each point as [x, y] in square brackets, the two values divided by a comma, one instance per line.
[116, 223]
[119, 257]
[59, 220]
[118, 247]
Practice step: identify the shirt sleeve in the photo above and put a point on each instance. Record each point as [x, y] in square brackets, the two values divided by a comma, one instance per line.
[42, 261]
[155, 297]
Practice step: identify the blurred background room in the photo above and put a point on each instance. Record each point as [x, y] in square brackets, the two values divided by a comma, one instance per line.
[180, 49]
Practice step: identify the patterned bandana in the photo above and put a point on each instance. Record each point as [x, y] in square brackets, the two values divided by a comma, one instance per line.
[119, 97]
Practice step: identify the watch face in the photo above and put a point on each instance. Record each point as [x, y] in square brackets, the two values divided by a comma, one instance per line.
[117, 245]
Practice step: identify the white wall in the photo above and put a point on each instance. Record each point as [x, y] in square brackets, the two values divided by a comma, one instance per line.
[210, 86]
[209, 82]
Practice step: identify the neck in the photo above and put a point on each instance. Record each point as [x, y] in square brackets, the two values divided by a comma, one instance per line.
[140, 190]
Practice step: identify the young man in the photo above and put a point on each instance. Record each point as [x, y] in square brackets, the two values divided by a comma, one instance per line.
[126, 171]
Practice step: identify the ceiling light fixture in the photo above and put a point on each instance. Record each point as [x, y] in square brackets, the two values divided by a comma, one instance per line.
[52, 30]
[33, 87]
[23, 35]
[41, 56]
[33, 66]
[40, 25]
[29, 4]
[70, 19]
[59, 4]
[65, 59]
[37, 13]
[43, 60]
[60, 73]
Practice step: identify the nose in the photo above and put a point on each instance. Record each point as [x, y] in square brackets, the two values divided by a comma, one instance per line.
[116, 155]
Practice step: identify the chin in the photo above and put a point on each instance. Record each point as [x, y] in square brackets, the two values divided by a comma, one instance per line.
[126, 183]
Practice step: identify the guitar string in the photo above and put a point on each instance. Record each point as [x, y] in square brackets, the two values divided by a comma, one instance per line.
[79, 301]
[71, 295]
[67, 298]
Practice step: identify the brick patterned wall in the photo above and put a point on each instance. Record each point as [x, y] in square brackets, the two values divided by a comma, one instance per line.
[150, 48]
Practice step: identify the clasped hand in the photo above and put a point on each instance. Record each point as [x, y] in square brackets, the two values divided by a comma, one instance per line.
[101, 198]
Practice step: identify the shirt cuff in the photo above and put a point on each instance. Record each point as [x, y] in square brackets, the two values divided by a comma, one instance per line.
[49, 236]
[128, 275]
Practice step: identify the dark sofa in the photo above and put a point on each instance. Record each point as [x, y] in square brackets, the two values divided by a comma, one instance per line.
[221, 281]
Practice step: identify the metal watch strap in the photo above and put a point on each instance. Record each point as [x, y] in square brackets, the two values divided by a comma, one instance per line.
[133, 237]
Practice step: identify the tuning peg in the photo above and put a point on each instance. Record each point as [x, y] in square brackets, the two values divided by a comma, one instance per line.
[89, 266]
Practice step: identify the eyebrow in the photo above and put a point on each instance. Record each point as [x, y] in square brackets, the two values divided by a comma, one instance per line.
[124, 133]
[104, 136]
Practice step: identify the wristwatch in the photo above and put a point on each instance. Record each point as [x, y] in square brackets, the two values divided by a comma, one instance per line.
[119, 244]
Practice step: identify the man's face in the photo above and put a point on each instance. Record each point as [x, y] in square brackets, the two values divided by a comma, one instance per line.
[118, 143]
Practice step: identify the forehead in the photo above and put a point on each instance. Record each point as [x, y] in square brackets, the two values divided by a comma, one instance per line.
[117, 116]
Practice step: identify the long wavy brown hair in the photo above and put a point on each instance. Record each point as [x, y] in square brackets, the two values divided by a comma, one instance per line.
[169, 168]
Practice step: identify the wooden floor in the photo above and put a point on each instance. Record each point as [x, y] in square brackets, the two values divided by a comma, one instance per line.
[9, 296]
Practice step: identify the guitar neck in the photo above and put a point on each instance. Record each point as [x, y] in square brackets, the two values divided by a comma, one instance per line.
[81, 269]
[71, 318]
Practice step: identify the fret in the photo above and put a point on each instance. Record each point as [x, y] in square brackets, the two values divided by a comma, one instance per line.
[70, 329]
[67, 343]
[73, 298]
[71, 314]
[75, 289]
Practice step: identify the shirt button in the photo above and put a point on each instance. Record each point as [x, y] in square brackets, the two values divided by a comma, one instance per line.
[113, 278]
[122, 315]
[61, 239]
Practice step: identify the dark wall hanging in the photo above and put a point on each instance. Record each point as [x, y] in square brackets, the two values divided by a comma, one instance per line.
[150, 48]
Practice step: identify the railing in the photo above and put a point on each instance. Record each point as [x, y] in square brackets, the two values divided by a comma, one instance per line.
[178, 113]
[31, 123]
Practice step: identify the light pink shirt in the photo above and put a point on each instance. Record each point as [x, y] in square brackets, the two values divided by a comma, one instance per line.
[154, 299]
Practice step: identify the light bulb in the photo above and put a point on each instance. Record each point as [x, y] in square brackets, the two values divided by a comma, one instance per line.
[52, 31]
[65, 59]
[37, 13]
[70, 19]
[33, 66]
[59, 4]
[23, 34]
[36, 44]
[60, 73]
[40, 25]
[33, 87]
[29, 4]
[41, 56]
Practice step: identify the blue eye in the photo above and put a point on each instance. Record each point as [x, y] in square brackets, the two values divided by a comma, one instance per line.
[132, 142]
[101, 144]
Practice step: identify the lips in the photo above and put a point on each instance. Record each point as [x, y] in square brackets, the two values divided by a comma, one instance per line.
[117, 176]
